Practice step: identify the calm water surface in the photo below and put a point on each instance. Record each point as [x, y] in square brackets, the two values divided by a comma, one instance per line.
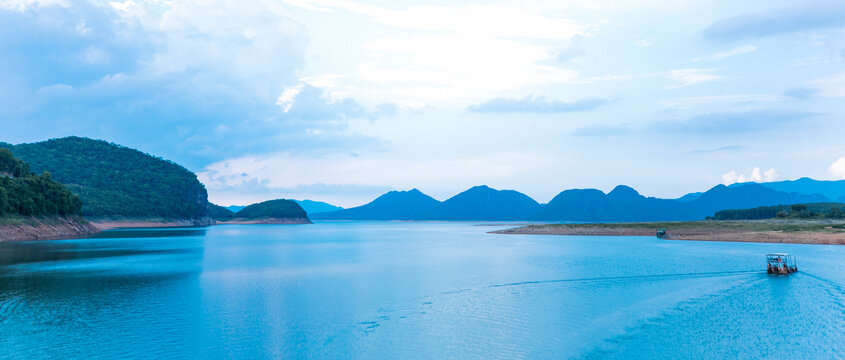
[412, 290]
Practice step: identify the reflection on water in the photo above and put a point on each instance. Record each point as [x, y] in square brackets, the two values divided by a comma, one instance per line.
[18, 252]
[148, 233]
[412, 290]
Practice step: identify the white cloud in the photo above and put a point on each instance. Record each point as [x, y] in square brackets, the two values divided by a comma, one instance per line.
[693, 101]
[288, 96]
[726, 54]
[680, 77]
[326, 81]
[93, 55]
[838, 168]
[644, 42]
[457, 66]
[689, 77]
[832, 86]
[204, 76]
[244, 48]
[123, 6]
[757, 175]
[24, 5]
[483, 20]
[445, 53]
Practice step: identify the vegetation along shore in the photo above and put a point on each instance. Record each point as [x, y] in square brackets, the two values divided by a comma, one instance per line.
[806, 231]
[36, 207]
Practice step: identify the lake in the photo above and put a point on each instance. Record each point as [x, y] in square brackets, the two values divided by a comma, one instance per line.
[405, 290]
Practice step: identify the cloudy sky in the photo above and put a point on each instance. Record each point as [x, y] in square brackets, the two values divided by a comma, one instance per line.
[341, 100]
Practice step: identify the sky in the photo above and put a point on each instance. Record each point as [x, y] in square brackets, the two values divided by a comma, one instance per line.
[343, 100]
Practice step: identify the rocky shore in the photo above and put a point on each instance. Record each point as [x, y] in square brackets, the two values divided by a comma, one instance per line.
[46, 228]
[109, 224]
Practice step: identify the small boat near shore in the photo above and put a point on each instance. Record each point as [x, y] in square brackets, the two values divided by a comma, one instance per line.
[781, 264]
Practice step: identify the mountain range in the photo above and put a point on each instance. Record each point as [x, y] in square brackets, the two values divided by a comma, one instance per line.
[623, 203]
[115, 181]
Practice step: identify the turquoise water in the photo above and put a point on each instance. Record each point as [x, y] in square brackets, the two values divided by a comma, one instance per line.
[396, 290]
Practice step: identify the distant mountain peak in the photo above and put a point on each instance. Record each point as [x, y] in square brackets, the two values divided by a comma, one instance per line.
[623, 191]
[722, 187]
[393, 205]
[313, 206]
[485, 203]
[400, 194]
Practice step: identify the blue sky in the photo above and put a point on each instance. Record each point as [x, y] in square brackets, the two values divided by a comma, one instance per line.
[341, 100]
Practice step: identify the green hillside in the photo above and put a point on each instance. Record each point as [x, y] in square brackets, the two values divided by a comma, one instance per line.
[116, 181]
[278, 209]
[27, 194]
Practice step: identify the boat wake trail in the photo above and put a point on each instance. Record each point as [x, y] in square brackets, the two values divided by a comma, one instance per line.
[766, 317]
[633, 277]
[516, 311]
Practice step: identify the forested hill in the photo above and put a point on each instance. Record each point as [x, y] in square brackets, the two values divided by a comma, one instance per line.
[26, 194]
[116, 181]
[272, 209]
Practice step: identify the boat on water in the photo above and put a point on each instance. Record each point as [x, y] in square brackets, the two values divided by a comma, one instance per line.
[780, 264]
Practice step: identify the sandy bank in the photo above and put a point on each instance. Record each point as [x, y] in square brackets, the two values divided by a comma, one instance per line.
[266, 221]
[49, 228]
[702, 231]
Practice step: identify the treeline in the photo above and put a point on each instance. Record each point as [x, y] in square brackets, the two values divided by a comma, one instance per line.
[25, 193]
[116, 181]
[797, 211]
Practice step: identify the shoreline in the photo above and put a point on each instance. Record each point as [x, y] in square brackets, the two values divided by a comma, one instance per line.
[50, 228]
[265, 221]
[112, 224]
[58, 228]
[799, 232]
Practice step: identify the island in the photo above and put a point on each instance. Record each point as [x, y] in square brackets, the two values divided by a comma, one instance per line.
[279, 211]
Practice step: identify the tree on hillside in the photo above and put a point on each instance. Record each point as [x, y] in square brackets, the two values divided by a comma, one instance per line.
[25, 193]
[10, 166]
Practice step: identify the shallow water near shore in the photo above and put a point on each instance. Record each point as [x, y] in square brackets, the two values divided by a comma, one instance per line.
[381, 290]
